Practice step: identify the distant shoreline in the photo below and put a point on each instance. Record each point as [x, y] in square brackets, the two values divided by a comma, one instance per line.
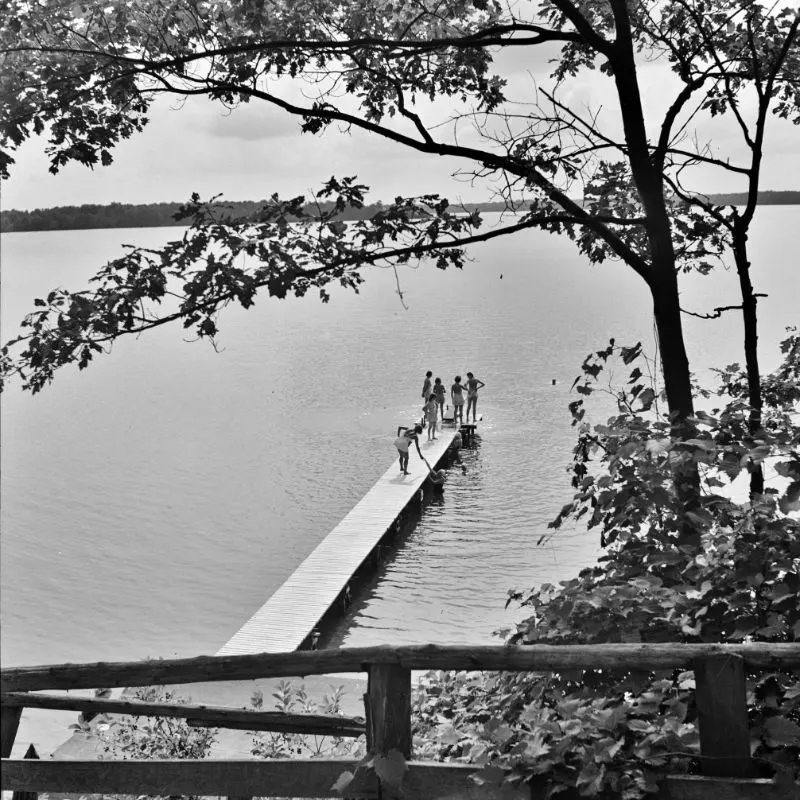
[159, 215]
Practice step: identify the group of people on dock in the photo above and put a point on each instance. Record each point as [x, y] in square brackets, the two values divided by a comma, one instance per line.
[433, 393]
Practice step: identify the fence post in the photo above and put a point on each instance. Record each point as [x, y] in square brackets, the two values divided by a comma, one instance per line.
[721, 697]
[9, 722]
[389, 709]
[30, 753]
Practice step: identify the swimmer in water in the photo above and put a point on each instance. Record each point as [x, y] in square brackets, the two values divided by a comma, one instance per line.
[437, 478]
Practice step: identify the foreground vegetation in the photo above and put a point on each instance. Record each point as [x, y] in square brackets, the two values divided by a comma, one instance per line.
[737, 579]
[614, 733]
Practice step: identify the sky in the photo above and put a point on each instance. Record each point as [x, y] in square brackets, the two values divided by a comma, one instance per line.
[253, 151]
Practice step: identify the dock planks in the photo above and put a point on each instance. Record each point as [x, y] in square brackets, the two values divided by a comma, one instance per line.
[287, 618]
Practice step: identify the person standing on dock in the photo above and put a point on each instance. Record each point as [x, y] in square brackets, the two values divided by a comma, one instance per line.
[457, 396]
[426, 387]
[473, 384]
[403, 442]
[438, 390]
[431, 409]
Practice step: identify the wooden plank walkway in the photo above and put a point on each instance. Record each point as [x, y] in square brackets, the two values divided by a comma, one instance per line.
[292, 613]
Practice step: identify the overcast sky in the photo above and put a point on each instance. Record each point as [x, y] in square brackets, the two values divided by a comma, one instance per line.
[254, 151]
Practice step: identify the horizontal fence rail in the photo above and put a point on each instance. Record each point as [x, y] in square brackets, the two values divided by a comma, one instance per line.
[527, 658]
[720, 672]
[314, 778]
[197, 715]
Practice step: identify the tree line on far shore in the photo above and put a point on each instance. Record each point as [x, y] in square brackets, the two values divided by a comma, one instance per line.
[153, 215]
[158, 215]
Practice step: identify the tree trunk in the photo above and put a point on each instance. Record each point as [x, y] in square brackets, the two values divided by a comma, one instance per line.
[750, 320]
[663, 279]
[674, 360]
[678, 387]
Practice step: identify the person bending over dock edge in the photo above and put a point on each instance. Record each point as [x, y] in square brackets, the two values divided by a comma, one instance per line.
[403, 442]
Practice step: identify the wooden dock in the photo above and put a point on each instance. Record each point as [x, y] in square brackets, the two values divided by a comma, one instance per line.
[290, 616]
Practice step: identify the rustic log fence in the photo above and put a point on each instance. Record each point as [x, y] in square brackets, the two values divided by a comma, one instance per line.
[720, 694]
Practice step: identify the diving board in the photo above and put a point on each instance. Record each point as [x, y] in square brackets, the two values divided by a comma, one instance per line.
[292, 613]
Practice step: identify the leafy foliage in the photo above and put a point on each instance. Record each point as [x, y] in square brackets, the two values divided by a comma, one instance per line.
[157, 737]
[94, 70]
[285, 247]
[556, 733]
[291, 698]
[611, 734]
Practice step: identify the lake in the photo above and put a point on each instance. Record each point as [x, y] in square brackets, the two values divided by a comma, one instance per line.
[152, 502]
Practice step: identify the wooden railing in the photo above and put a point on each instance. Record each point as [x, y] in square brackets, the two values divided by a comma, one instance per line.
[720, 694]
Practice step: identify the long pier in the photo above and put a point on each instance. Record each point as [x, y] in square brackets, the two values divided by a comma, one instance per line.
[288, 619]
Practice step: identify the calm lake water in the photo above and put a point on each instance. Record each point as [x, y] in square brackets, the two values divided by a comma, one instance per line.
[151, 503]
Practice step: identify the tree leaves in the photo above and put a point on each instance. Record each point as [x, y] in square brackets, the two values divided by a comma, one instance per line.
[791, 498]
[739, 581]
[92, 75]
[157, 737]
[286, 247]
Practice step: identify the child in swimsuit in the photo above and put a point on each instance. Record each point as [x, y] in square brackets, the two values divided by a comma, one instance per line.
[457, 395]
[473, 384]
[431, 409]
[438, 390]
[426, 387]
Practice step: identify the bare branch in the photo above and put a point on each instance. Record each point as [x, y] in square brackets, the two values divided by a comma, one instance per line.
[669, 118]
[719, 310]
[490, 160]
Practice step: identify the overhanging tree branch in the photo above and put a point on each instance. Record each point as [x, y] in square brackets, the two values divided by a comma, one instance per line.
[133, 286]
[496, 36]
